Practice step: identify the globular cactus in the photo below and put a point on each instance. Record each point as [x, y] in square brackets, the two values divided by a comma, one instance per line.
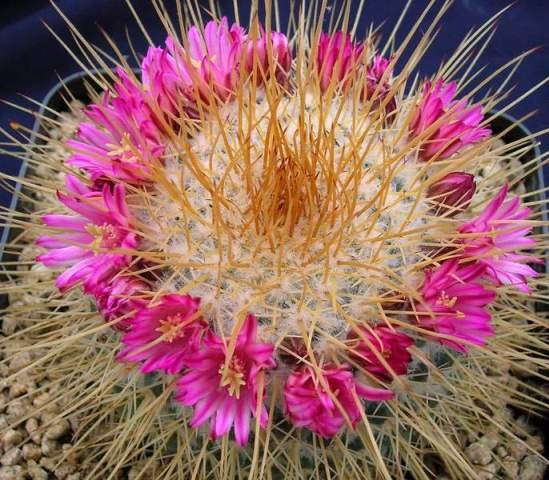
[276, 257]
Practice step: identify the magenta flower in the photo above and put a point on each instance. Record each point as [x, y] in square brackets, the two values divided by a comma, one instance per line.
[218, 53]
[225, 390]
[453, 193]
[458, 123]
[389, 343]
[258, 55]
[87, 243]
[494, 237]
[337, 56]
[376, 71]
[211, 66]
[454, 304]
[163, 336]
[119, 298]
[176, 79]
[377, 81]
[324, 405]
[121, 140]
[162, 81]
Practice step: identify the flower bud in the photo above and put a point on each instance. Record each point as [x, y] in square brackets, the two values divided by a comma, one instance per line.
[453, 193]
[460, 127]
[336, 57]
[367, 346]
[258, 55]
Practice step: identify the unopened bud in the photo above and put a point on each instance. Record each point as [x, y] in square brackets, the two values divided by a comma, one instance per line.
[453, 193]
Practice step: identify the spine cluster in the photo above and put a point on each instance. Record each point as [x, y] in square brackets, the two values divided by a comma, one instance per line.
[250, 213]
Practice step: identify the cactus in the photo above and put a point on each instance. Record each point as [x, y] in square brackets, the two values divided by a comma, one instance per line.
[275, 256]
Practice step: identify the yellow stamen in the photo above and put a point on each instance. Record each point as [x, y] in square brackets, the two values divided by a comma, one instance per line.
[123, 149]
[170, 328]
[446, 301]
[232, 377]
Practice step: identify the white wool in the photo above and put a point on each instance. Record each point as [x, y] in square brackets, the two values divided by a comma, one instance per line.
[299, 298]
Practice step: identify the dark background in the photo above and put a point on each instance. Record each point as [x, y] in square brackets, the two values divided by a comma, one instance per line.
[31, 60]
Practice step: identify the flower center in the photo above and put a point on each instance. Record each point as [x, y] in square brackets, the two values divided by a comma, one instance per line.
[232, 376]
[125, 151]
[106, 236]
[171, 328]
[446, 301]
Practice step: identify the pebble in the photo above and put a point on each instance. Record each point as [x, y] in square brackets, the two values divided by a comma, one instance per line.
[73, 457]
[41, 272]
[535, 442]
[9, 325]
[57, 430]
[28, 254]
[18, 389]
[478, 453]
[73, 420]
[48, 463]
[63, 471]
[12, 473]
[31, 425]
[525, 426]
[138, 470]
[501, 451]
[490, 440]
[510, 468]
[11, 438]
[532, 468]
[36, 472]
[487, 472]
[41, 400]
[12, 457]
[19, 361]
[49, 447]
[17, 410]
[517, 449]
[31, 452]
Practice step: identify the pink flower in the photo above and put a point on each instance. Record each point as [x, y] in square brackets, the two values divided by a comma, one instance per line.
[211, 65]
[162, 80]
[371, 343]
[164, 335]
[87, 242]
[225, 389]
[258, 55]
[336, 57]
[454, 304]
[218, 53]
[121, 140]
[325, 404]
[378, 76]
[493, 238]
[119, 298]
[176, 79]
[453, 193]
[376, 70]
[457, 123]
